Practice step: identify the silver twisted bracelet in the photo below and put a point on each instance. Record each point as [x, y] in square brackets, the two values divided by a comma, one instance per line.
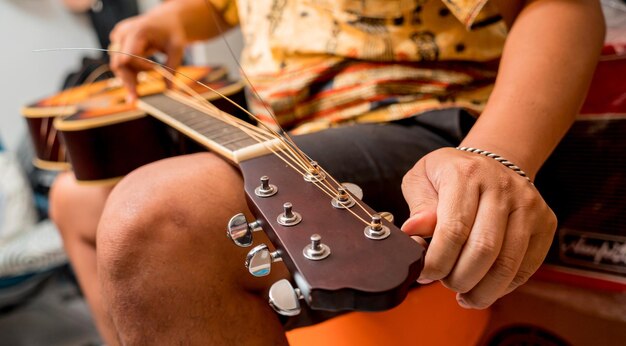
[498, 158]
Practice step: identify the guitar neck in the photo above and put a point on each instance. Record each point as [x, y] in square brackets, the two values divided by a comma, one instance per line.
[205, 126]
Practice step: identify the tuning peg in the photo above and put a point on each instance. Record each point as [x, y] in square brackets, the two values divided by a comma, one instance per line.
[240, 231]
[314, 174]
[288, 217]
[285, 299]
[316, 250]
[343, 199]
[354, 189]
[265, 189]
[376, 230]
[259, 260]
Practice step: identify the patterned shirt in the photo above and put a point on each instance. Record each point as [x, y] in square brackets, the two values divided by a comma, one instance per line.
[321, 63]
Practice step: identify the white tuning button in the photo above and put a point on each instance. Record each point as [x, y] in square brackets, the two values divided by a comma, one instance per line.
[387, 216]
[259, 260]
[285, 299]
[354, 189]
[240, 231]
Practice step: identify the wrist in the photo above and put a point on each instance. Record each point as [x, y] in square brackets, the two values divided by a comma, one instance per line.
[508, 139]
[500, 159]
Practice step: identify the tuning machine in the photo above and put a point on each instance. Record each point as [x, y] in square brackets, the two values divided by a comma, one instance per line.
[285, 299]
[376, 230]
[265, 189]
[259, 260]
[240, 231]
[343, 200]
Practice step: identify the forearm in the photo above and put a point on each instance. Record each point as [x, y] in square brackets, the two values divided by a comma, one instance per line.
[200, 20]
[547, 64]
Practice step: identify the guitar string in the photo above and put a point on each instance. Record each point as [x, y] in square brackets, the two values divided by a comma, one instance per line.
[255, 132]
[274, 133]
[327, 189]
[222, 35]
[229, 119]
[281, 131]
[323, 185]
[221, 30]
[203, 101]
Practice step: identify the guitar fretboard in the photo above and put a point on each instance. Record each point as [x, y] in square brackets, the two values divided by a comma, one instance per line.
[227, 140]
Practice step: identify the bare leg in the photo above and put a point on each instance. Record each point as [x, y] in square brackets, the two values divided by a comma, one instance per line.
[169, 275]
[76, 210]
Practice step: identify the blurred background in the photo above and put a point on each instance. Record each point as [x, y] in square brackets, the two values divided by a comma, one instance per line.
[26, 76]
[40, 303]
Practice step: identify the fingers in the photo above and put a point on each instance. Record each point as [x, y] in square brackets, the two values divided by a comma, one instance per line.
[420, 241]
[124, 43]
[422, 199]
[483, 244]
[492, 229]
[458, 204]
[505, 267]
[174, 51]
[137, 38]
[535, 254]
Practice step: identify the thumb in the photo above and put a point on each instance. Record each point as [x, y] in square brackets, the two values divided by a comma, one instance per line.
[422, 199]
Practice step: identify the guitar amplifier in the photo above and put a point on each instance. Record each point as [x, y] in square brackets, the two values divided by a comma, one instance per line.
[578, 297]
[584, 181]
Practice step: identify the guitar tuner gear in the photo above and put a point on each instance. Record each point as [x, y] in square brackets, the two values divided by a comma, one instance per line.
[343, 199]
[265, 189]
[285, 299]
[316, 250]
[376, 230]
[289, 217]
[240, 231]
[259, 260]
[314, 174]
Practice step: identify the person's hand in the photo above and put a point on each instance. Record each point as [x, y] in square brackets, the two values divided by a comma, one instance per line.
[490, 227]
[144, 35]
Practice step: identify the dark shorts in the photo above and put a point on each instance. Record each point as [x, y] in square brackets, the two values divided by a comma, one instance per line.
[376, 157]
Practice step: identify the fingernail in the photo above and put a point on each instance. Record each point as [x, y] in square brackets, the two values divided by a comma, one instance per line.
[420, 241]
[424, 281]
[462, 303]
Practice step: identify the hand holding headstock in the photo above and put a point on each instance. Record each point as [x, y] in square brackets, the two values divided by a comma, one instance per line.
[338, 261]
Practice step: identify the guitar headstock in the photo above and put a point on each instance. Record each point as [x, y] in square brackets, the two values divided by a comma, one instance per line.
[334, 263]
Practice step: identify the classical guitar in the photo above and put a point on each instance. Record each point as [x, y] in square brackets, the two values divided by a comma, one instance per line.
[341, 254]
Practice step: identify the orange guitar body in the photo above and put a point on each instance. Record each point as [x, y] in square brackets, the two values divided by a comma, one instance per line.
[92, 130]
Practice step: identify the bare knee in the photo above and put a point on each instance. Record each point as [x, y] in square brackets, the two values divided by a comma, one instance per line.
[172, 207]
[58, 196]
[162, 251]
[75, 208]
